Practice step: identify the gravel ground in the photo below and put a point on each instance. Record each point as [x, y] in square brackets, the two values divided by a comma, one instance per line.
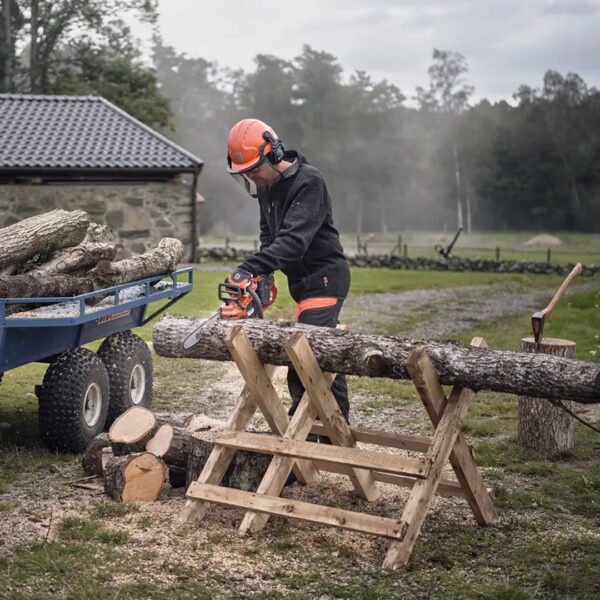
[440, 313]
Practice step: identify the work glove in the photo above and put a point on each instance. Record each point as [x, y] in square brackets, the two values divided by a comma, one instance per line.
[266, 290]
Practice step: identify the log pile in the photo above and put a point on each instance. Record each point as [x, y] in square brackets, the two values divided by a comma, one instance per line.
[143, 452]
[338, 351]
[62, 253]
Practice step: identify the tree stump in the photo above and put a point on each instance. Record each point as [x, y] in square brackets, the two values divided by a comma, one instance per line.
[543, 427]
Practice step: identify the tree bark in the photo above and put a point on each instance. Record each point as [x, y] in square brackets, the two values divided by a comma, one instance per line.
[91, 460]
[41, 234]
[245, 471]
[135, 478]
[544, 428]
[74, 259]
[32, 286]
[353, 353]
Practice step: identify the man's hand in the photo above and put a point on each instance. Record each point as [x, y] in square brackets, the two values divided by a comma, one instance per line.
[239, 277]
[264, 290]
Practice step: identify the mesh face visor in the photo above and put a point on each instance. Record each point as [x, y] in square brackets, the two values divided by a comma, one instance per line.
[246, 183]
[240, 176]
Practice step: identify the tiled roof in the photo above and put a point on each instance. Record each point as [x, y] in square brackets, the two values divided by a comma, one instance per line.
[81, 132]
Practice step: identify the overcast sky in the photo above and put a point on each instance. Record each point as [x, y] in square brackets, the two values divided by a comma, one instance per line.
[506, 42]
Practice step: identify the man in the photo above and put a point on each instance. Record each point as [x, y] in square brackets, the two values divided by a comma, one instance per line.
[297, 235]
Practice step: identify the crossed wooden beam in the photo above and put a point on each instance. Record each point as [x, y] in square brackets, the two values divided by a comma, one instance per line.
[318, 412]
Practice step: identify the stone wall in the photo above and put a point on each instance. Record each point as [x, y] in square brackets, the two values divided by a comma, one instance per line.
[140, 214]
[423, 264]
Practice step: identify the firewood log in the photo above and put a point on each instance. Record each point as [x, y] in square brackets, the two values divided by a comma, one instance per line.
[98, 244]
[41, 234]
[106, 274]
[74, 259]
[245, 471]
[135, 478]
[99, 234]
[162, 259]
[172, 444]
[339, 351]
[31, 286]
[92, 457]
[131, 431]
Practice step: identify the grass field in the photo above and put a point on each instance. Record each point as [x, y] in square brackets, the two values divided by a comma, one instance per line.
[546, 545]
[574, 247]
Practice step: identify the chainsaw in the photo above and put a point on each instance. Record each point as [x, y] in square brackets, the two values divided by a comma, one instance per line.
[247, 300]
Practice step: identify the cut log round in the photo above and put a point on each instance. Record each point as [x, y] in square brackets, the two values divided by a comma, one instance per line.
[132, 430]
[42, 234]
[135, 478]
[92, 456]
[353, 353]
[546, 429]
[245, 471]
[172, 444]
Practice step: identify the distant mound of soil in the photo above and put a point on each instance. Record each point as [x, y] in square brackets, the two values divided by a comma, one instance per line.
[543, 241]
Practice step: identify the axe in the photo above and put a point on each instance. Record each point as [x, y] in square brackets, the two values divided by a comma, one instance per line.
[445, 252]
[537, 319]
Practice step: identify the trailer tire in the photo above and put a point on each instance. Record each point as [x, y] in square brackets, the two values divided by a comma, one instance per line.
[128, 361]
[74, 399]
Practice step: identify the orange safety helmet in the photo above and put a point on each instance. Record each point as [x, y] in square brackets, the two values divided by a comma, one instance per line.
[251, 142]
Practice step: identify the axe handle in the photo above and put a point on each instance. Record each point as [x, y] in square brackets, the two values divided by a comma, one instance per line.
[561, 290]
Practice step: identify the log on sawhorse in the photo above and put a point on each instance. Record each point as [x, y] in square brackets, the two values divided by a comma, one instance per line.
[318, 412]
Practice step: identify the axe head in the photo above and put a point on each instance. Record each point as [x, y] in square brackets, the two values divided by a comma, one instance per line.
[537, 324]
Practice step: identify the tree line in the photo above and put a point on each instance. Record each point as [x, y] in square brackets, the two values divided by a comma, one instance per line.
[393, 160]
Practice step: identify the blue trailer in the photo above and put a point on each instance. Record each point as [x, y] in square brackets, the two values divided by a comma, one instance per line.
[84, 391]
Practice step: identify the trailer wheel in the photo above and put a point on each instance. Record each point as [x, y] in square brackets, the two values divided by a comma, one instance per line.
[129, 364]
[73, 400]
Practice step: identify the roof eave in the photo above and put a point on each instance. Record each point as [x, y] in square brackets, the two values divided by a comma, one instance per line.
[97, 171]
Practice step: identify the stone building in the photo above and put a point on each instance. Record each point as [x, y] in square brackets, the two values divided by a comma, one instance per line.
[83, 152]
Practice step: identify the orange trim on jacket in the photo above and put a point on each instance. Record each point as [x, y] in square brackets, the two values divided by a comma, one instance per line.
[314, 303]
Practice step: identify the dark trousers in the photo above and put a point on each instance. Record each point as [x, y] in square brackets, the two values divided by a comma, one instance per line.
[323, 317]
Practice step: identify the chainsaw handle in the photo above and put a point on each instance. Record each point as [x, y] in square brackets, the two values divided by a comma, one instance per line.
[562, 289]
[257, 304]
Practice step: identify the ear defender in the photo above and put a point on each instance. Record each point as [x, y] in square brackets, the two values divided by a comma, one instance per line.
[275, 155]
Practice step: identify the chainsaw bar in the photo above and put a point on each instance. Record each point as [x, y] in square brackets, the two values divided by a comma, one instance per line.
[193, 338]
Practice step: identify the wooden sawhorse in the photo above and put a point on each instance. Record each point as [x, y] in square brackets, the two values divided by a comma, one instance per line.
[291, 451]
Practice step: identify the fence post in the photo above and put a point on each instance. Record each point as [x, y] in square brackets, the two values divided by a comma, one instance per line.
[497, 254]
[549, 256]
[405, 250]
